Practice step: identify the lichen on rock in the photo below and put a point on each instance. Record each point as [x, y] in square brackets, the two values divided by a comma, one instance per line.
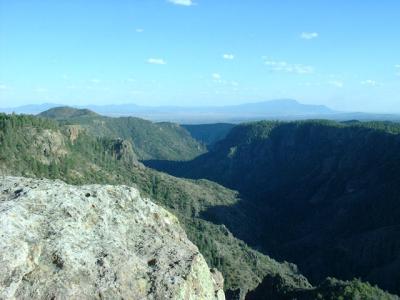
[60, 241]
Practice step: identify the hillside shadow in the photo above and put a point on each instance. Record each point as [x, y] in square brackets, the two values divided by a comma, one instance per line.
[322, 195]
[171, 167]
[239, 218]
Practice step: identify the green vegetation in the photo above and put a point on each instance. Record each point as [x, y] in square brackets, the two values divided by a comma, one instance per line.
[87, 159]
[36, 147]
[321, 194]
[209, 134]
[166, 141]
[333, 289]
[329, 289]
[66, 112]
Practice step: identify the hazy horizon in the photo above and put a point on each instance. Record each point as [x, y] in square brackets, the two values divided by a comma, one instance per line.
[192, 105]
[200, 149]
[188, 105]
[201, 53]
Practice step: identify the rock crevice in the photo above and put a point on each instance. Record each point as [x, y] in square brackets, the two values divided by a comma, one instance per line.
[60, 241]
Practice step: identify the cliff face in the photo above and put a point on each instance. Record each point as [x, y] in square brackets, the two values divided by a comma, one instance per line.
[95, 242]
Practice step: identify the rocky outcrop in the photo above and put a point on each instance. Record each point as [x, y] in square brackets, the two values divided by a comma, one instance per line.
[73, 131]
[60, 241]
[48, 145]
[123, 150]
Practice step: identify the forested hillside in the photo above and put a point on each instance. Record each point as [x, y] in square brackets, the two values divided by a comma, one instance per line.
[36, 147]
[209, 134]
[150, 140]
[322, 194]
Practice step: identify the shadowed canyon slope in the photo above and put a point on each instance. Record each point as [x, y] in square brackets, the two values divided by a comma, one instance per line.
[322, 194]
[36, 147]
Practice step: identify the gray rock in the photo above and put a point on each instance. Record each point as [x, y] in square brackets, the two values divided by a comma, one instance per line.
[60, 241]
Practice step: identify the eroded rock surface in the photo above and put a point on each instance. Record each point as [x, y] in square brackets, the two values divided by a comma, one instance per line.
[60, 241]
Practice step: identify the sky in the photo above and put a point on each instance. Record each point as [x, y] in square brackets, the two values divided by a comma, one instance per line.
[341, 53]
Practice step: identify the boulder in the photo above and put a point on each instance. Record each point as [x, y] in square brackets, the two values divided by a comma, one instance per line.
[61, 241]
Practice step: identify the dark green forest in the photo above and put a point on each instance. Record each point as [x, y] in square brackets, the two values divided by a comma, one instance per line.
[36, 147]
[322, 194]
[68, 150]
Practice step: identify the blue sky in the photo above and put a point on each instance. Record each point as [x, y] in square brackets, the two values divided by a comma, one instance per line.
[344, 54]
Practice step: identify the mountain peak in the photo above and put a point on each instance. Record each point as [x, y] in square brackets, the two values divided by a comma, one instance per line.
[65, 112]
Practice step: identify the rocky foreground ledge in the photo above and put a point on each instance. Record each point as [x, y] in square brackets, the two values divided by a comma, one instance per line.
[59, 241]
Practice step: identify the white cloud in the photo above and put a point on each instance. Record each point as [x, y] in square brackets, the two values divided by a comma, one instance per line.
[216, 76]
[369, 82]
[95, 80]
[228, 56]
[308, 84]
[156, 61]
[40, 90]
[309, 35]
[136, 92]
[3, 87]
[223, 82]
[336, 83]
[139, 30]
[283, 66]
[182, 2]
[397, 70]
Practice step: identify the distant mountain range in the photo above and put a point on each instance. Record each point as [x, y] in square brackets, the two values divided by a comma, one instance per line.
[282, 109]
